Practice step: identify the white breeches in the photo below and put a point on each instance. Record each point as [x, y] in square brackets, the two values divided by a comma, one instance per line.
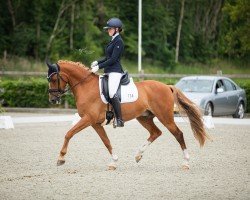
[113, 83]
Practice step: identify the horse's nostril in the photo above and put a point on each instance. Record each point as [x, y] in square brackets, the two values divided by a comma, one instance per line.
[53, 101]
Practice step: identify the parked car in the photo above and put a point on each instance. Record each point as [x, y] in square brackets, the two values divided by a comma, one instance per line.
[215, 95]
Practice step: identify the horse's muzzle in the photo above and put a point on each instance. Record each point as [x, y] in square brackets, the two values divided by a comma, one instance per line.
[56, 100]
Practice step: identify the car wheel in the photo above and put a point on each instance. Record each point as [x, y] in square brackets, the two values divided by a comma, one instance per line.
[239, 111]
[209, 109]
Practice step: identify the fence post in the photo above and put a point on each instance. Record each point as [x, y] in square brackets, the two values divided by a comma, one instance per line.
[66, 104]
[141, 75]
[4, 60]
[219, 72]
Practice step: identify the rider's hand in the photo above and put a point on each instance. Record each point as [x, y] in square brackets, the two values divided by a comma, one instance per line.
[93, 64]
[95, 69]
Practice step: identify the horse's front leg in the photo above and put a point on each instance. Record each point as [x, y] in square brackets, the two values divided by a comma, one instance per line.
[83, 123]
[114, 158]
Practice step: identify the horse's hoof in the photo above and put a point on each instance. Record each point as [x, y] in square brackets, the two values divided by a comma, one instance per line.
[111, 168]
[185, 167]
[138, 158]
[60, 162]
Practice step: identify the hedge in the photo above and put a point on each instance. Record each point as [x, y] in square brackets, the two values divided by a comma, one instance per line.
[24, 93]
[246, 86]
[34, 93]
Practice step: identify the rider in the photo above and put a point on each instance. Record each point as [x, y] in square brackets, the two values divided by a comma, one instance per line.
[111, 64]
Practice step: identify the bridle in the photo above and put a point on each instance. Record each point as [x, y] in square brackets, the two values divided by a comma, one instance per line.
[58, 92]
[59, 78]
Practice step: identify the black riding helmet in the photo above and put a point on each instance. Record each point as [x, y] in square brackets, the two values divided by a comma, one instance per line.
[114, 23]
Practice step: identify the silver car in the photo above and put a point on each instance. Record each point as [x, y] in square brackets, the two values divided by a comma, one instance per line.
[215, 95]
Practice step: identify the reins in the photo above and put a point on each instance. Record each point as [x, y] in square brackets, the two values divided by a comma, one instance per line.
[66, 90]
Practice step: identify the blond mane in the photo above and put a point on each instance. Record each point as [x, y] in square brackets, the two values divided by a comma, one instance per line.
[72, 63]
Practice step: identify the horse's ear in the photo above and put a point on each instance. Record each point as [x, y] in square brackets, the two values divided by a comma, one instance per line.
[48, 63]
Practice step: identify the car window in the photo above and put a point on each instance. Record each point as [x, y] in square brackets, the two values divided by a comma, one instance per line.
[195, 85]
[219, 84]
[229, 85]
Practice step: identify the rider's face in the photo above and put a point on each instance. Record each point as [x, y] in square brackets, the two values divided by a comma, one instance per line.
[111, 31]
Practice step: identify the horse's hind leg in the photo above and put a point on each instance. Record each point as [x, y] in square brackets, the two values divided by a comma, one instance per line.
[168, 121]
[155, 132]
[102, 134]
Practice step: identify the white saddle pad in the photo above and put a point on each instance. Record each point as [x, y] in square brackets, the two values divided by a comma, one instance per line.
[129, 93]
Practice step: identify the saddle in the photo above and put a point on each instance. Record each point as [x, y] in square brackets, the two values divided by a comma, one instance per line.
[125, 80]
[127, 92]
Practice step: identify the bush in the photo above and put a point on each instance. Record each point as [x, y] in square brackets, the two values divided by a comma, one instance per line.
[31, 93]
[24, 93]
[246, 85]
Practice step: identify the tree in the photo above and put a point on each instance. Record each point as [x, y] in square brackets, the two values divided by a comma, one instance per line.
[158, 25]
[179, 31]
[72, 21]
[237, 29]
[72, 29]
[12, 13]
[55, 31]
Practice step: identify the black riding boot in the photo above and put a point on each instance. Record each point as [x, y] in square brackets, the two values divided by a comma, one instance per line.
[117, 108]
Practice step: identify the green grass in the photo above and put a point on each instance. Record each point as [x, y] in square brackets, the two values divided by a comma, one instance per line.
[211, 68]
[241, 81]
[148, 66]
[22, 64]
[196, 68]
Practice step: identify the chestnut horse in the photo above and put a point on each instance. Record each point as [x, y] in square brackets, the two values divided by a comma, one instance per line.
[155, 99]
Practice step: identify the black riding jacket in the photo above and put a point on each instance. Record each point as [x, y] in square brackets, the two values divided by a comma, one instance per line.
[113, 52]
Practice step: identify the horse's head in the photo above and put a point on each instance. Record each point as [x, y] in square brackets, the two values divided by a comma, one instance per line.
[57, 83]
